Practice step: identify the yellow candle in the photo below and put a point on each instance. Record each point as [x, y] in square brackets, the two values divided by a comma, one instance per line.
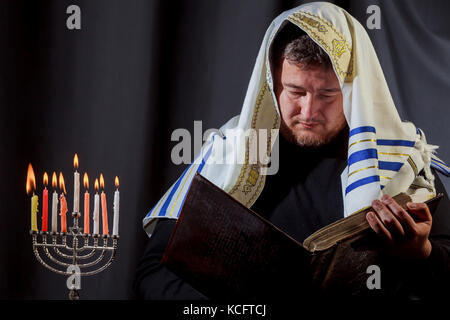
[31, 186]
[34, 209]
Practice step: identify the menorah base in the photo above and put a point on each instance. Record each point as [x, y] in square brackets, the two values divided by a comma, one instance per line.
[65, 255]
[74, 295]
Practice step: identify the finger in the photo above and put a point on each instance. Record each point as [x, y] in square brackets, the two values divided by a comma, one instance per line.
[379, 227]
[388, 219]
[420, 211]
[401, 214]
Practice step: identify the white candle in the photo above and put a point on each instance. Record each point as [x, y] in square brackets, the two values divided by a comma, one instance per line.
[96, 213]
[76, 192]
[54, 212]
[116, 213]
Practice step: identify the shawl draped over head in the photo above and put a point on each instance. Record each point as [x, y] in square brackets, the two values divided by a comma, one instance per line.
[385, 155]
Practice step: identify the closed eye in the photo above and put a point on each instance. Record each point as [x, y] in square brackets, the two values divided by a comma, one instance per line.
[296, 94]
[326, 96]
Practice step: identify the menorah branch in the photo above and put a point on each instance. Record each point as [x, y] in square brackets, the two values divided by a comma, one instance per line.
[99, 256]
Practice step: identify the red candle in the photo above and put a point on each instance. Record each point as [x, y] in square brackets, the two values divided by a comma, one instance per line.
[45, 204]
[104, 209]
[86, 203]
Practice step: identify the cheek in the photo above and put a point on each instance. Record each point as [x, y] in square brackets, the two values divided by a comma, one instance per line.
[287, 107]
[334, 114]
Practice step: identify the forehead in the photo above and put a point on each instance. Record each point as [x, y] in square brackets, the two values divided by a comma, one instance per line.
[299, 74]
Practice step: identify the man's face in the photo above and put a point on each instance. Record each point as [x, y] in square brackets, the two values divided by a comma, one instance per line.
[310, 102]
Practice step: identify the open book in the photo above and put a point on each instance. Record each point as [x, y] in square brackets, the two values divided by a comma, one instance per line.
[225, 250]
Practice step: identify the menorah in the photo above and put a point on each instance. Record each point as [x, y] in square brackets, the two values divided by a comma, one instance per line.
[73, 252]
[93, 263]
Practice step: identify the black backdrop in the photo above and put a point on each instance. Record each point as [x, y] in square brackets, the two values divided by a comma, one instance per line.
[115, 90]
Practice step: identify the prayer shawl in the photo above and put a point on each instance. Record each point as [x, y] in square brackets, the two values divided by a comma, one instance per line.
[385, 155]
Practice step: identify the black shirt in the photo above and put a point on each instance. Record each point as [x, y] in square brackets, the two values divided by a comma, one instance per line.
[304, 196]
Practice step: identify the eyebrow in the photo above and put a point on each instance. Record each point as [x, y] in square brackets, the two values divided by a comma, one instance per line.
[291, 85]
[330, 90]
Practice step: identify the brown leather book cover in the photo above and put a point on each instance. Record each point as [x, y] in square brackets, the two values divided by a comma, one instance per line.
[226, 251]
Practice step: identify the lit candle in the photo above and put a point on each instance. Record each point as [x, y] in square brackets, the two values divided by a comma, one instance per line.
[96, 208]
[54, 204]
[63, 207]
[104, 209]
[34, 209]
[76, 186]
[45, 204]
[86, 203]
[31, 185]
[116, 209]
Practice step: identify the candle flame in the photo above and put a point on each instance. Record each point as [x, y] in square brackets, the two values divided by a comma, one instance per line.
[96, 184]
[86, 181]
[54, 180]
[45, 179]
[75, 161]
[116, 181]
[62, 186]
[31, 180]
[102, 181]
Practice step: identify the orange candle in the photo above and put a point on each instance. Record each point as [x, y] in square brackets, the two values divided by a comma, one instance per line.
[63, 212]
[45, 204]
[86, 203]
[104, 209]
[62, 199]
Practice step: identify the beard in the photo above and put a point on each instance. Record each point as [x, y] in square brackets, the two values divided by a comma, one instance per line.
[308, 139]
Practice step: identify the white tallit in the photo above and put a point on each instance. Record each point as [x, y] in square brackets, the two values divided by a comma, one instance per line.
[385, 155]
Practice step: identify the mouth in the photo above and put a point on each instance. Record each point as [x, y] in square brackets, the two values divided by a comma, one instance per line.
[308, 125]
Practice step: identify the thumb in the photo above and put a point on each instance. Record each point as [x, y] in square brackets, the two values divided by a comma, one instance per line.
[420, 211]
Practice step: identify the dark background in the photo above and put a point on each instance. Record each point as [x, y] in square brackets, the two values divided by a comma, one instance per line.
[138, 69]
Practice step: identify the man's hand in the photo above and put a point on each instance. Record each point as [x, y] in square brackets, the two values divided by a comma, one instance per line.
[406, 236]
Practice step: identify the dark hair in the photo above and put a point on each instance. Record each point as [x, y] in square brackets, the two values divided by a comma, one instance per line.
[297, 47]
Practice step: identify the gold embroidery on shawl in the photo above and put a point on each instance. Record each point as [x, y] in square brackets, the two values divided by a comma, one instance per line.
[338, 47]
[255, 114]
[252, 179]
[263, 178]
[313, 23]
[413, 166]
[253, 171]
[331, 40]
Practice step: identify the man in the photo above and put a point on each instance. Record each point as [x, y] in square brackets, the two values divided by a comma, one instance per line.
[342, 145]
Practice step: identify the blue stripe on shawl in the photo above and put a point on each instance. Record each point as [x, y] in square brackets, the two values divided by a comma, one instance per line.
[199, 170]
[163, 210]
[436, 165]
[438, 161]
[362, 155]
[388, 165]
[361, 182]
[362, 129]
[388, 142]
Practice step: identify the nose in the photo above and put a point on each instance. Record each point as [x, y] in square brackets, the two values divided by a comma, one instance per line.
[306, 106]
